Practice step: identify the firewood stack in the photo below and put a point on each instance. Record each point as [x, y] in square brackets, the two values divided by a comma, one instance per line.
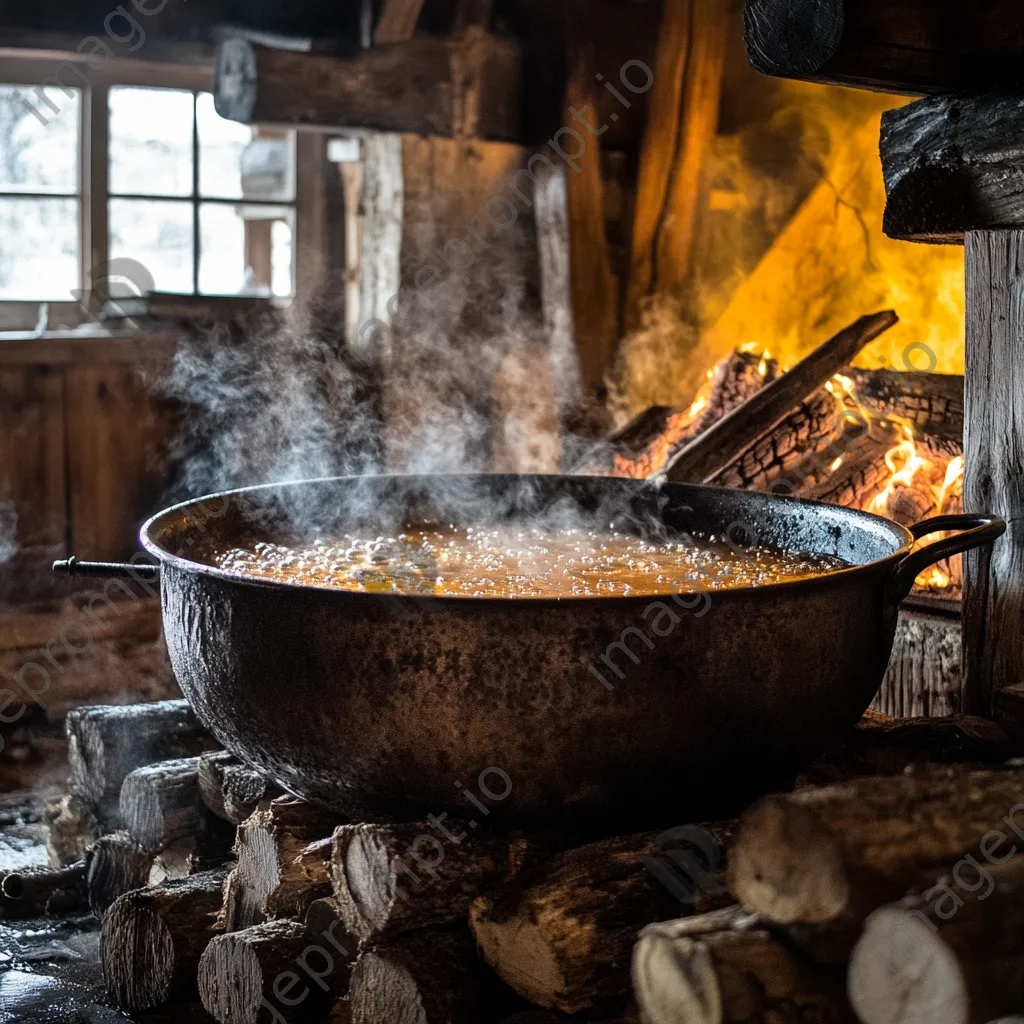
[823, 904]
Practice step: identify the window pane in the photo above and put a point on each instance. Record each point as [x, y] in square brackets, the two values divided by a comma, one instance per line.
[221, 143]
[222, 250]
[157, 233]
[245, 255]
[237, 161]
[38, 248]
[281, 257]
[38, 139]
[151, 141]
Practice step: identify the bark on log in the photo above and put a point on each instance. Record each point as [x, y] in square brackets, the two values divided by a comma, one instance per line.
[230, 788]
[993, 606]
[715, 972]
[933, 402]
[882, 746]
[115, 865]
[106, 743]
[915, 46]
[562, 940]
[38, 891]
[426, 977]
[835, 854]
[152, 939]
[952, 164]
[283, 852]
[393, 878]
[268, 972]
[469, 86]
[952, 954]
[713, 450]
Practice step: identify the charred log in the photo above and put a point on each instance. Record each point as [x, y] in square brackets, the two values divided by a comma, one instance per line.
[951, 164]
[917, 46]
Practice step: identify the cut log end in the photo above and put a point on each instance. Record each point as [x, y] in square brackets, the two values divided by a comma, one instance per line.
[786, 866]
[138, 932]
[676, 980]
[902, 971]
[792, 38]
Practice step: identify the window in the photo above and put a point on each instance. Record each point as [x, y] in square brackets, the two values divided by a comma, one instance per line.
[196, 199]
[98, 170]
[39, 197]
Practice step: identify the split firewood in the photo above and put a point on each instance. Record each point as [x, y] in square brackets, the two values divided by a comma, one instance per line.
[950, 954]
[836, 853]
[73, 828]
[107, 742]
[427, 977]
[562, 939]
[230, 788]
[886, 746]
[728, 969]
[269, 972]
[115, 864]
[34, 892]
[152, 939]
[733, 434]
[160, 806]
[283, 851]
[393, 878]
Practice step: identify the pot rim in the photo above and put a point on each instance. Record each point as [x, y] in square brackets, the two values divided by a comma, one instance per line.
[147, 535]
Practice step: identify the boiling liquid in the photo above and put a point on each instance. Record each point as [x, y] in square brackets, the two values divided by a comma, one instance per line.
[517, 561]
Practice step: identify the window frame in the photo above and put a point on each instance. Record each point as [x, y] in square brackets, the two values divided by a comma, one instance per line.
[93, 162]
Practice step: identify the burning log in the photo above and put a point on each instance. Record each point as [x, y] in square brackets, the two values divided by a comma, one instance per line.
[283, 852]
[106, 743]
[915, 46]
[114, 866]
[832, 855]
[152, 939]
[950, 166]
[253, 975]
[469, 86]
[932, 402]
[426, 977]
[722, 968]
[952, 953]
[562, 939]
[393, 878]
[231, 789]
[38, 891]
[732, 435]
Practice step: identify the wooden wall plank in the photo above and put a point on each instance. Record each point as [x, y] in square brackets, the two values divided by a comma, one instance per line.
[117, 435]
[32, 474]
[993, 607]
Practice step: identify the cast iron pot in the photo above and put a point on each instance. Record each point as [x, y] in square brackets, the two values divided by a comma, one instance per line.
[381, 706]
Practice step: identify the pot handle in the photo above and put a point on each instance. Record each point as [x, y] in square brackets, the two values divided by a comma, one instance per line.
[973, 530]
[109, 570]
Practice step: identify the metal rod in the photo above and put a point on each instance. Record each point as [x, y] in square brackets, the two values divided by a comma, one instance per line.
[137, 570]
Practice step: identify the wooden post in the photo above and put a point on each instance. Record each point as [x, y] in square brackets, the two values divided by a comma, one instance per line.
[682, 118]
[993, 605]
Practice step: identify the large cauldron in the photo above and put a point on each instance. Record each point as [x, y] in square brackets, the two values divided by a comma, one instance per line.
[380, 705]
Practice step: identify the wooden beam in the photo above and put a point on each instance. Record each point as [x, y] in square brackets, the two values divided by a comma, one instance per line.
[993, 605]
[682, 117]
[468, 85]
[595, 288]
[910, 46]
[952, 164]
[397, 21]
